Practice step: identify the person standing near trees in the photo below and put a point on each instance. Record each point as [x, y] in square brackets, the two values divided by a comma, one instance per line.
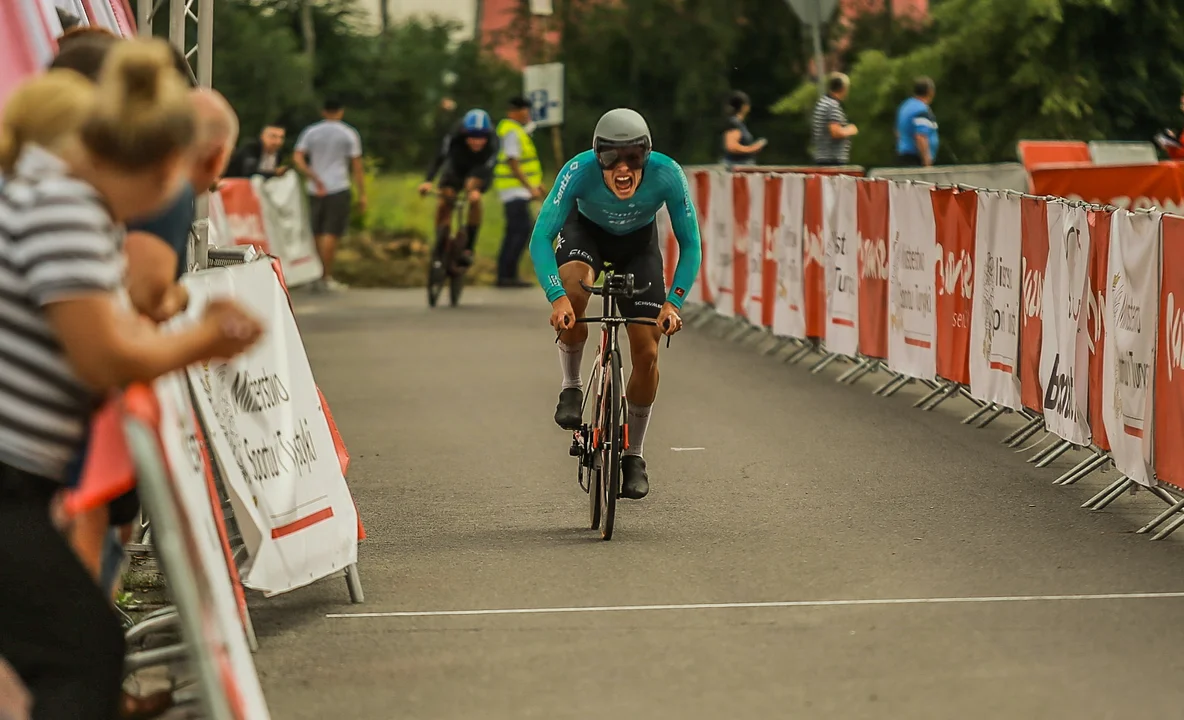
[739, 146]
[832, 133]
[326, 152]
[518, 179]
[916, 126]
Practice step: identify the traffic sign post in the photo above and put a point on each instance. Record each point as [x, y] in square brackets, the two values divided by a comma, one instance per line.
[814, 13]
[543, 86]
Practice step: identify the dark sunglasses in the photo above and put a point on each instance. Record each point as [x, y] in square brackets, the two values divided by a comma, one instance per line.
[634, 156]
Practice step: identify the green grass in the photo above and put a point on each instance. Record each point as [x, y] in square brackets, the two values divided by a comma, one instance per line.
[389, 246]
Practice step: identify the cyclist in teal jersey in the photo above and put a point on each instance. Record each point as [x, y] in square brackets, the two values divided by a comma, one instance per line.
[602, 208]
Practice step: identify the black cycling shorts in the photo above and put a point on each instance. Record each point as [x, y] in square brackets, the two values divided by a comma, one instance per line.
[454, 176]
[638, 252]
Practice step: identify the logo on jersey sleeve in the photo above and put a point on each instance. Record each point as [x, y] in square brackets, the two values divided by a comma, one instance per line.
[679, 292]
[565, 181]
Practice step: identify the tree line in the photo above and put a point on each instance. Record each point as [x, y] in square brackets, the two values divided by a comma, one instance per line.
[1006, 70]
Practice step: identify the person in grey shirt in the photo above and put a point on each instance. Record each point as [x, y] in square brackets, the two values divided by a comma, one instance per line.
[832, 133]
[326, 153]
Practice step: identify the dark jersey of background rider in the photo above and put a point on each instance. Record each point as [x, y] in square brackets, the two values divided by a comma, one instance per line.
[461, 160]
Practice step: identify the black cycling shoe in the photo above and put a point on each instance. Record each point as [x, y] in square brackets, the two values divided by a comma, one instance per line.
[569, 413]
[635, 483]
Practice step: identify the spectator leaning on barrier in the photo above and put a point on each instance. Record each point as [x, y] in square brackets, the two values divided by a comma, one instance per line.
[77, 161]
[916, 126]
[325, 154]
[518, 179]
[259, 156]
[739, 146]
[831, 130]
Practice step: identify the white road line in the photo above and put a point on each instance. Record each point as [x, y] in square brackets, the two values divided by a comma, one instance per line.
[784, 604]
[686, 449]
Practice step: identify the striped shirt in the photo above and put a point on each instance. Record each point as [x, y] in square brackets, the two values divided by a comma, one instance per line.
[57, 241]
[829, 149]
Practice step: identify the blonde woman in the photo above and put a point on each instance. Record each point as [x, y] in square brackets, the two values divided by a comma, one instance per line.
[78, 160]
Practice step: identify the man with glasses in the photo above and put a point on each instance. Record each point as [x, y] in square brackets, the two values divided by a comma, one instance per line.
[602, 208]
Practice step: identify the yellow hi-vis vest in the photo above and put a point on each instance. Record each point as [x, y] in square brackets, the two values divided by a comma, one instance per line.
[503, 176]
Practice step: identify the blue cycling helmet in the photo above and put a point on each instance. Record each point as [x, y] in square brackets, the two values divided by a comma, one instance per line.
[477, 122]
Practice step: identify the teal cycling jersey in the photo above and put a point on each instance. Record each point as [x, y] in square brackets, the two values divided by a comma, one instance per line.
[581, 185]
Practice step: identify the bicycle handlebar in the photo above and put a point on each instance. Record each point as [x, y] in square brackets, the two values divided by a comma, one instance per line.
[601, 290]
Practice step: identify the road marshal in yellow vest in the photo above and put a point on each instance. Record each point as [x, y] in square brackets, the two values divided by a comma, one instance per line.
[528, 161]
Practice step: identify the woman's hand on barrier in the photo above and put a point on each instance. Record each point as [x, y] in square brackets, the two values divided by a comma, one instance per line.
[669, 321]
[231, 329]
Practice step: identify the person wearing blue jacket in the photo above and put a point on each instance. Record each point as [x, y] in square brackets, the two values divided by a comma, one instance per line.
[603, 208]
[916, 127]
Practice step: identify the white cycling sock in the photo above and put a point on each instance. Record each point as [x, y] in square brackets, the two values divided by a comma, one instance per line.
[570, 359]
[639, 420]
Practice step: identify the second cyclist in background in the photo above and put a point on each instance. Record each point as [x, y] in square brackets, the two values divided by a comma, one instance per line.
[467, 157]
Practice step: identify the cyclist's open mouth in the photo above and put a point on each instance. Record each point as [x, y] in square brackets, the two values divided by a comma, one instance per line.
[623, 182]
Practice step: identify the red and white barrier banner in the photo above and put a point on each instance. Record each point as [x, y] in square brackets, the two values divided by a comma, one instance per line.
[911, 319]
[1132, 309]
[1064, 353]
[1169, 360]
[723, 250]
[814, 259]
[224, 644]
[704, 290]
[995, 316]
[244, 214]
[771, 214]
[842, 265]
[748, 209]
[1097, 282]
[1131, 187]
[1033, 264]
[789, 317]
[872, 229]
[954, 212]
[273, 442]
[289, 227]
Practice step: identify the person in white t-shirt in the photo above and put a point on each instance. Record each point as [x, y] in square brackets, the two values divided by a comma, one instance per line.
[326, 153]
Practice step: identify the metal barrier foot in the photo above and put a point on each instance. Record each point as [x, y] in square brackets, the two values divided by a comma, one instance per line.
[354, 581]
[999, 412]
[1032, 422]
[948, 392]
[1163, 517]
[978, 413]
[1082, 469]
[1053, 455]
[824, 363]
[905, 381]
[1108, 495]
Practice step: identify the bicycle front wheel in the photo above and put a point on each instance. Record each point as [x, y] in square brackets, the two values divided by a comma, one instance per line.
[437, 269]
[612, 434]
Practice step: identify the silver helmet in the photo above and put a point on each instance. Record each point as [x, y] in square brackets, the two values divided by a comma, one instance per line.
[621, 128]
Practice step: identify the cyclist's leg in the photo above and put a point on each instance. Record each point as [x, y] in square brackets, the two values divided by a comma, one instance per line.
[478, 180]
[450, 184]
[578, 255]
[642, 388]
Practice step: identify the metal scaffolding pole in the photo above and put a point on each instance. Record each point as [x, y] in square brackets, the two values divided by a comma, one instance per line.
[182, 16]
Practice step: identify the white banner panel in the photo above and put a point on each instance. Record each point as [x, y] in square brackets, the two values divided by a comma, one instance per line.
[994, 330]
[842, 264]
[1132, 321]
[789, 318]
[289, 233]
[272, 440]
[723, 253]
[754, 246]
[224, 645]
[1064, 350]
[912, 274]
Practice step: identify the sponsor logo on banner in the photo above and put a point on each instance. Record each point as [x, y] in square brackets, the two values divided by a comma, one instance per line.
[788, 317]
[1175, 337]
[995, 325]
[270, 433]
[911, 279]
[842, 269]
[872, 229]
[1131, 308]
[814, 266]
[1064, 358]
[1033, 292]
[722, 242]
[1169, 360]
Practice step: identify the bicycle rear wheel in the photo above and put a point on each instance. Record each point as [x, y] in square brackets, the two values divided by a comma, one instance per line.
[612, 435]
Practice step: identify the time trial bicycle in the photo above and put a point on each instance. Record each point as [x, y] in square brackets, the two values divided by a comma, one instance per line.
[444, 265]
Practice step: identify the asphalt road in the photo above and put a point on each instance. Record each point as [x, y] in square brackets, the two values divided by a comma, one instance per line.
[800, 491]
